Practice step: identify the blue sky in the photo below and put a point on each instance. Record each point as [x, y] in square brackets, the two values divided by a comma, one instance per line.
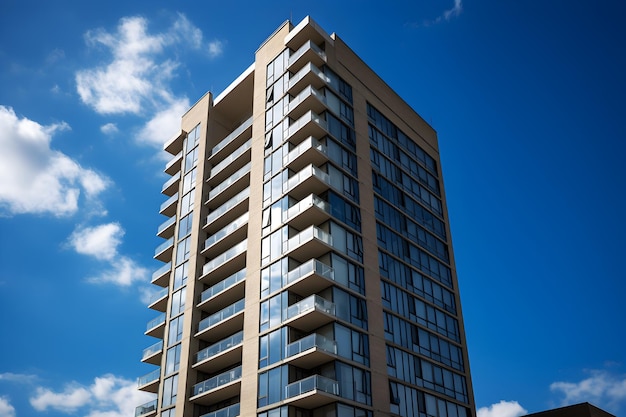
[527, 99]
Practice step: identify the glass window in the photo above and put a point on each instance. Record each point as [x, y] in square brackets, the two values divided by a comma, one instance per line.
[170, 386]
[172, 360]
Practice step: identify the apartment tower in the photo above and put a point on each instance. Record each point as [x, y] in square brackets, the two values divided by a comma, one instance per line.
[308, 267]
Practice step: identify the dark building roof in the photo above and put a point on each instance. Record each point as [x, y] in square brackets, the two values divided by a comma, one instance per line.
[576, 410]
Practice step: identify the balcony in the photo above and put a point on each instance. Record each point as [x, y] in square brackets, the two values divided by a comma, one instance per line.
[308, 180]
[309, 74]
[309, 278]
[147, 409]
[223, 293]
[225, 264]
[311, 210]
[158, 300]
[163, 252]
[309, 152]
[312, 392]
[309, 52]
[161, 276]
[220, 355]
[230, 411]
[225, 238]
[217, 388]
[149, 382]
[156, 326]
[175, 144]
[312, 242]
[166, 229]
[171, 186]
[309, 98]
[174, 164]
[310, 124]
[168, 208]
[222, 215]
[222, 323]
[232, 141]
[229, 165]
[229, 187]
[152, 354]
[310, 313]
[311, 351]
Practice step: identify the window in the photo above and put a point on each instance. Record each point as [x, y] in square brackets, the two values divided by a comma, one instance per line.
[170, 387]
[172, 359]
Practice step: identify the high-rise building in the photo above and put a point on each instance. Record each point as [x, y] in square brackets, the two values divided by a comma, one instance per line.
[308, 268]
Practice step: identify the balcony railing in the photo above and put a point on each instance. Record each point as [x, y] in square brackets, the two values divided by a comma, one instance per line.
[164, 246]
[307, 46]
[307, 172]
[243, 171]
[230, 158]
[148, 378]
[307, 268]
[157, 321]
[146, 408]
[307, 234]
[232, 136]
[222, 285]
[314, 382]
[305, 203]
[157, 296]
[173, 199]
[311, 341]
[306, 145]
[169, 183]
[224, 208]
[227, 230]
[219, 347]
[166, 224]
[230, 411]
[313, 302]
[225, 257]
[222, 315]
[151, 350]
[305, 119]
[176, 160]
[217, 381]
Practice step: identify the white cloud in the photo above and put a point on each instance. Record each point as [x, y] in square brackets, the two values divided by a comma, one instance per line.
[216, 48]
[454, 11]
[108, 396]
[109, 129]
[20, 378]
[6, 409]
[502, 409]
[163, 124]
[601, 387]
[35, 178]
[100, 241]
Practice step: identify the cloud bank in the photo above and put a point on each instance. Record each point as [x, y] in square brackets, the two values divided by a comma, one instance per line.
[502, 409]
[601, 388]
[34, 178]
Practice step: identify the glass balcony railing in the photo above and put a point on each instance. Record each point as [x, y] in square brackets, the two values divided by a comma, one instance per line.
[222, 285]
[230, 158]
[175, 160]
[304, 72]
[230, 411]
[309, 143]
[307, 92]
[305, 119]
[218, 212]
[308, 45]
[146, 408]
[307, 234]
[157, 295]
[222, 315]
[162, 270]
[219, 260]
[313, 302]
[169, 202]
[175, 178]
[243, 171]
[167, 223]
[307, 172]
[307, 268]
[314, 382]
[157, 321]
[217, 381]
[151, 350]
[148, 378]
[309, 201]
[232, 136]
[219, 347]
[163, 246]
[311, 341]
[227, 230]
